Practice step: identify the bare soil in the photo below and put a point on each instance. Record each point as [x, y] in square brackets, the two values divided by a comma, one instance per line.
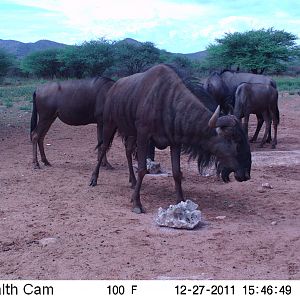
[54, 226]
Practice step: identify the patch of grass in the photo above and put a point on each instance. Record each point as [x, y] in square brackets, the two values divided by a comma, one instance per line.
[8, 103]
[18, 91]
[25, 108]
[288, 84]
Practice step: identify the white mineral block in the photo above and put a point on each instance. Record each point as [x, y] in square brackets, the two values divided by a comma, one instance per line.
[267, 185]
[48, 241]
[182, 215]
[153, 167]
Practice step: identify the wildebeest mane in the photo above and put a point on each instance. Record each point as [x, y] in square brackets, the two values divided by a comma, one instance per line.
[103, 78]
[196, 87]
[195, 151]
[227, 70]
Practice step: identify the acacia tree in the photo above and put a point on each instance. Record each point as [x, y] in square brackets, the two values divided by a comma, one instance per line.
[42, 63]
[88, 59]
[6, 61]
[72, 62]
[133, 58]
[256, 50]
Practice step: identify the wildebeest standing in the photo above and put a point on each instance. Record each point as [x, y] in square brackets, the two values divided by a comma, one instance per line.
[157, 105]
[256, 98]
[222, 86]
[74, 102]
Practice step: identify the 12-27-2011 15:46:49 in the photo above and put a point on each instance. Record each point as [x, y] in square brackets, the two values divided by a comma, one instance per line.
[267, 290]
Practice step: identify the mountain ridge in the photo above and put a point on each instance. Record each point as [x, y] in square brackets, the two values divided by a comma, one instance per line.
[20, 49]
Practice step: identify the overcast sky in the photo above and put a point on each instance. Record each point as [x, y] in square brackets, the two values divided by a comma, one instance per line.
[183, 26]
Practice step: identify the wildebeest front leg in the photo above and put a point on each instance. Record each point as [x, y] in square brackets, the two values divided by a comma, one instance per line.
[142, 145]
[130, 144]
[177, 175]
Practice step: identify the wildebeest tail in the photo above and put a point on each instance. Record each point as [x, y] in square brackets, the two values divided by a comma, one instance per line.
[110, 142]
[34, 116]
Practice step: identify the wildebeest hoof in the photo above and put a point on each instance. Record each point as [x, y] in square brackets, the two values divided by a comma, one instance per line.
[93, 182]
[36, 166]
[138, 210]
[260, 145]
[107, 166]
[273, 146]
[46, 163]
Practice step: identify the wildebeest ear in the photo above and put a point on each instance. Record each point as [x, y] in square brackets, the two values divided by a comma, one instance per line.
[226, 121]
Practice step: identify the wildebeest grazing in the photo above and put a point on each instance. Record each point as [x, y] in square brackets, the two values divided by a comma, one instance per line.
[256, 98]
[74, 102]
[222, 86]
[157, 105]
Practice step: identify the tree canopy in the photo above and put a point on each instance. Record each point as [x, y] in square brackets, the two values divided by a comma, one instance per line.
[42, 63]
[133, 58]
[6, 61]
[256, 50]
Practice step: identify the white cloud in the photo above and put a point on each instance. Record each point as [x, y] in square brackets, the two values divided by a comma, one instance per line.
[120, 9]
[177, 25]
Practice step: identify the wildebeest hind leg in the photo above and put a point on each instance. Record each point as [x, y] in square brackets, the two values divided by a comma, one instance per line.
[260, 121]
[105, 162]
[108, 135]
[275, 124]
[37, 138]
[245, 125]
[130, 144]
[269, 138]
[34, 139]
[46, 126]
[267, 120]
[177, 175]
[142, 145]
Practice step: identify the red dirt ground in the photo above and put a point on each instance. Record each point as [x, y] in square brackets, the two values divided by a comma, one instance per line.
[94, 234]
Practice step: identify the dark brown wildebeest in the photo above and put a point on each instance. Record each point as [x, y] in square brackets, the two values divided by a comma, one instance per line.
[256, 98]
[157, 105]
[74, 102]
[222, 86]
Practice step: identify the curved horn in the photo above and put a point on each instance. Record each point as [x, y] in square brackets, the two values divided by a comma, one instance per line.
[226, 121]
[213, 120]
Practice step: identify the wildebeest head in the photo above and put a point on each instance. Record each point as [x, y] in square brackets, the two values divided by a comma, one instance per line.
[219, 90]
[231, 147]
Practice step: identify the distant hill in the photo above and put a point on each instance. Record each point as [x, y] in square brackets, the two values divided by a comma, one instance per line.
[129, 41]
[193, 56]
[200, 55]
[20, 49]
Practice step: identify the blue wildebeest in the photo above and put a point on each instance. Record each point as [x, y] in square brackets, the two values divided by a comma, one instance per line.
[257, 98]
[222, 86]
[74, 102]
[158, 105]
